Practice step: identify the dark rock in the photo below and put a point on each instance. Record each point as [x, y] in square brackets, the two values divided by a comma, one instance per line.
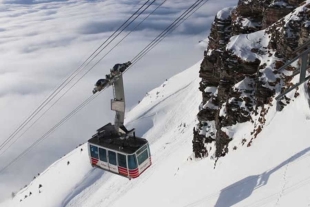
[223, 69]
[274, 13]
[295, 2]
[262, 94]
[206, 114]
[222, 141]
[199, 142]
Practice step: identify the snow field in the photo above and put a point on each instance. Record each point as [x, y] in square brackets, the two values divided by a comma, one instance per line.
[274, 171]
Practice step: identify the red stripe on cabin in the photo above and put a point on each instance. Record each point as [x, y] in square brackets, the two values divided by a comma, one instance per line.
[137, 173]
[134, 173]
[122, 168]
[94, 161]
[122, 171]
[134, 176]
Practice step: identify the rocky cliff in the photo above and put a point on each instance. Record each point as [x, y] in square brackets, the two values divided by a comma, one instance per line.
[239, 73]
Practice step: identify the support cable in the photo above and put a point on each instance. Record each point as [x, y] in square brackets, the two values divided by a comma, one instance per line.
[71, 77]
[65, 119]
[169, 29]
[76, 82]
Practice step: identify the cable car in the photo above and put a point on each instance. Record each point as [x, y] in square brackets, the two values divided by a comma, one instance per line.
[126, 156]
[113, 148]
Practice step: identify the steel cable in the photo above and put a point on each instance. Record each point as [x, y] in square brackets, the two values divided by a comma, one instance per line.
[171, 27]
[70, 115]
[3, 151]
[193, 10]
[69, 79]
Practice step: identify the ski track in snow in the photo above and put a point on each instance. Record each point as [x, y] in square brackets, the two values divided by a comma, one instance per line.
[277, 196]
[284, 185]
[285, 189]
[92, 177]
[150, 109]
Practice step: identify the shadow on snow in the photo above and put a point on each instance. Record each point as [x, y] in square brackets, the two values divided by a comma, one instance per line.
[244, 188]
[93, 175]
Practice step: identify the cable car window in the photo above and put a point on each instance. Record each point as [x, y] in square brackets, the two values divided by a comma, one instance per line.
[94, 151]
[148, 149]
[132, 163]
[142, 157]
[112, 158]
[103, 155]
[141, 149]
[122, 160]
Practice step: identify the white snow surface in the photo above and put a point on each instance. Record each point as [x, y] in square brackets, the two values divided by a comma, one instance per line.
[246, 22]
[225, 13]
[274, 171]
[242, 44]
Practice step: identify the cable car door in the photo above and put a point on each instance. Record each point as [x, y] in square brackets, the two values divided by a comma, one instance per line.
[112, 161]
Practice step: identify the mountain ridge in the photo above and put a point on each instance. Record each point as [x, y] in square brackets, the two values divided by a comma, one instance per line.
[239, 72]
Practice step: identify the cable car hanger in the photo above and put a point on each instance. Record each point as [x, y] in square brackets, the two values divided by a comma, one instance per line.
[114, 148]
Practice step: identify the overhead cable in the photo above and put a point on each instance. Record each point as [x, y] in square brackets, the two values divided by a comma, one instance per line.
[70, 115]
[71, 77]
[169, 29]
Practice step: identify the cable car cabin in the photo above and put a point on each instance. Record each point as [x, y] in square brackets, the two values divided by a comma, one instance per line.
[127, 156]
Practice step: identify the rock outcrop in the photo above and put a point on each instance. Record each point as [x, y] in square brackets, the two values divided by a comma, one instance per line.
[239, 74]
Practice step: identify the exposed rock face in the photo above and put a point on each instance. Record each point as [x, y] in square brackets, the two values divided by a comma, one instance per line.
[276, 11]
[239, 71]
[308, 90]
[295, 2]
[248, 16]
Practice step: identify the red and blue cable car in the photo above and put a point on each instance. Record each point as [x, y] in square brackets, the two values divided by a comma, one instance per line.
[126, 156]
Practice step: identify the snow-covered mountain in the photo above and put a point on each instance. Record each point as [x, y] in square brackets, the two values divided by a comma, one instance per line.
[241, 71]
[274, 171]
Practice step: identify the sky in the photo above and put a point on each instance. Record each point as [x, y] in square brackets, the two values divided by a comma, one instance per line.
[43, 41]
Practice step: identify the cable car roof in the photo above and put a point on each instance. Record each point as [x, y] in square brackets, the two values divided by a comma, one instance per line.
[107, 137]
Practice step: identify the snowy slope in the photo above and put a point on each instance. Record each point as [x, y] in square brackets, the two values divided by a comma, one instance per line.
[274, 171]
